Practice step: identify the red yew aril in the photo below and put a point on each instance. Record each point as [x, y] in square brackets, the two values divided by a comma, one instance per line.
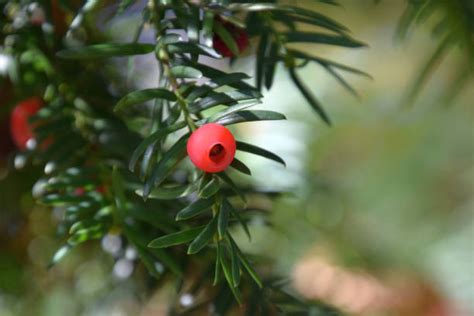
[240, 36]
[211, 147]
[20, 128]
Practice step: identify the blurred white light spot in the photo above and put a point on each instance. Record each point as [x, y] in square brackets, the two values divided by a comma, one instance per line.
[20, 161]
[131, 253]
[33, 6]
[159, 267]
[10, 41]
[20, 20]
[73, 171]
[85, 204]
[31, 143]
[186, 300]
[39, 188]
[47, 27]
[193, 197]
[49, 168]
[123, 268]
[112, 244]
[100, 124]
[5, 62]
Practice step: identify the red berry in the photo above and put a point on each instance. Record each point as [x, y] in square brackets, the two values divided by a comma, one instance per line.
[20, 129]
[240, 36]
[211, 147]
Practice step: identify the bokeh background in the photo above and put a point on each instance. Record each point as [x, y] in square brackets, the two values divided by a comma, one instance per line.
[379, 216]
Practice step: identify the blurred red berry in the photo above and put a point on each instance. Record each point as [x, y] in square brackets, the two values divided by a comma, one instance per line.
[211, 147]
[20, 128]
[240, 36]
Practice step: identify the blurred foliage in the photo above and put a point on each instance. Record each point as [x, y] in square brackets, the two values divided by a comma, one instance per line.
[452, 25]
[379, 191]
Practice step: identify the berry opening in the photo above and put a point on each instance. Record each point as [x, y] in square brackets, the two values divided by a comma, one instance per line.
[217, 153]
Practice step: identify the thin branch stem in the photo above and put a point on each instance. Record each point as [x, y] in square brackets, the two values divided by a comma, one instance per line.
[164, 59]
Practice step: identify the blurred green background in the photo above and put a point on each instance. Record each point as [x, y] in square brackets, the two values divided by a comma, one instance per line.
[380, 216]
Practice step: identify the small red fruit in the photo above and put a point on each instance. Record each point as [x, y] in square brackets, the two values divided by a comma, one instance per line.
[211, 147]
[20, 128]
[240, 36]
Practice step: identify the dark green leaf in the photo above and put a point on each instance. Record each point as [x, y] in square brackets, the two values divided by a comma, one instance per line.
[226, 79]
[227, 38]
[230, 78]
[59, 200]
[193, 24]
[260, 62]
[211, 73]
[192, 48]
[168, 162]
[149, 157]
[141, 96]
[186, 72]
[252, 7]
[222, 98]
[231, 109]
[169, 193]
[170, 38]
[235, 263]
[430, 65]
[232, 185]
[148, 261]
[259, 151]
[177, 238]
[209, 188]
[242, 222]
[194, 209]
[150, 140]
[327, 62]
[158, 218]
[302, 15]
[322, 38]
[208, 26]
[148, 255]
[245, 263]
[228, 276]
[309, 97]
[255, 7]
[217, 274]
[270, 65]
[203, 238]
[342, 81]
[118, 190]
[174, 114]
[250, 116]
[223, 218]
[106, 50]
[240, 166]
